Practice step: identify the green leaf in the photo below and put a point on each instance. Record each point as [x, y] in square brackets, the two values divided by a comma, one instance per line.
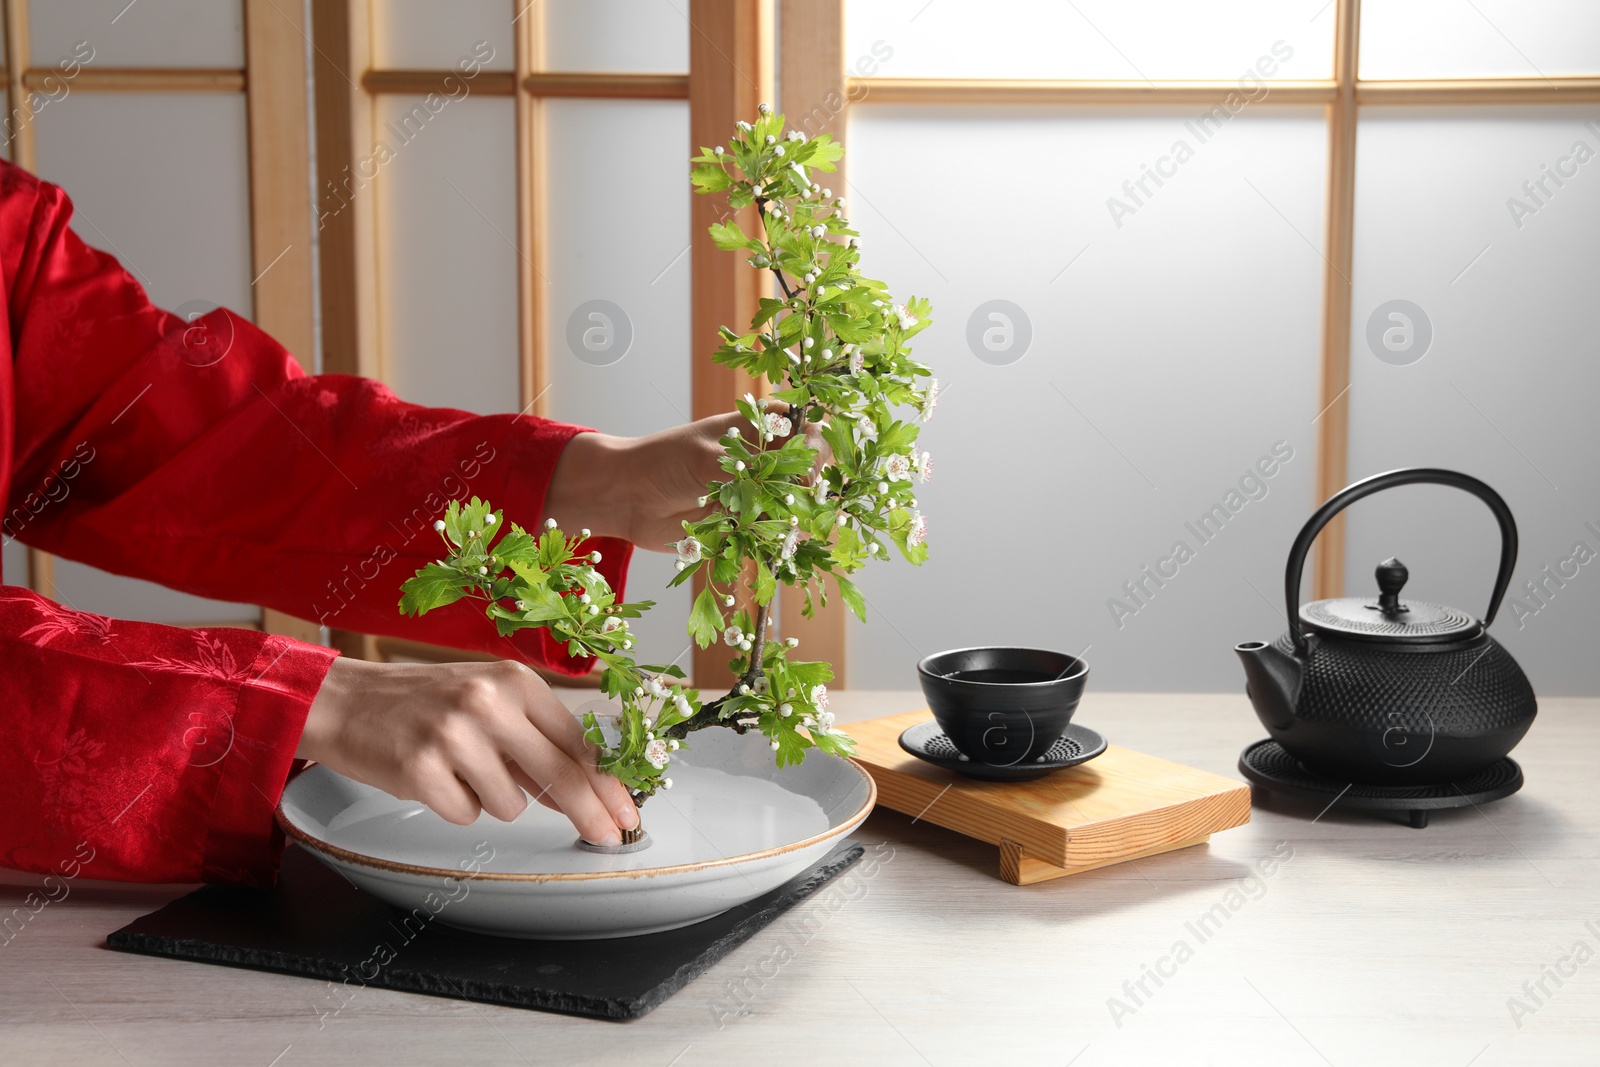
[433, 586]
[728, 237]
[852, 596]
[705, 621]
[710, 178]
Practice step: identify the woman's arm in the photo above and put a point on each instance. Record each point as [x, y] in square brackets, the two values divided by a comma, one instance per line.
[205, 460]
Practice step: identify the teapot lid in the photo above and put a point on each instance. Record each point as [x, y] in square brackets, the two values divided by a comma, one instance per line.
[1387, 619]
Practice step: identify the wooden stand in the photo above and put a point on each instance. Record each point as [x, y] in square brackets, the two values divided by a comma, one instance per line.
[1122, 805]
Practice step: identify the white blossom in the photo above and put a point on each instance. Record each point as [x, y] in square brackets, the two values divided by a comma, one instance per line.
[786, 710]
[777, 425]
[594, 557]
[438, 524]
[728, 601]
[840, 203]
[818, 231]
[585, 533]
[689, 551]
[824, 722]
[656, 753]
[771, 139]
[764, 108]
[827, 194]
[819, 697]
[872, 548]
[904, 317]
[858, 361]
[732, 636]
[919, 529]
[807, 342]
[792, 642]
[930, 400]
[610, 624]
[925, 466]
[774, 746]
[777, 150]
[791, 542]
[702, 501]
[483, 570]
[897, 468]
[743, 126]
[788, 499]
[549, 524]
[666, 783]
[488, 520]
[738, 464]
[717, 151]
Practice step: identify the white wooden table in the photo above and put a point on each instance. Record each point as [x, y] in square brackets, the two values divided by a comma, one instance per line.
[1374, 943]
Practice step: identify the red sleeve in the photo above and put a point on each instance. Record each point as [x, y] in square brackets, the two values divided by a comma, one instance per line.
[200, 456]
[144, 752]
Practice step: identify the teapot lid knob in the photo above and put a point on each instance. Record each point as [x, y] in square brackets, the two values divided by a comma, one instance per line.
[1392, 575]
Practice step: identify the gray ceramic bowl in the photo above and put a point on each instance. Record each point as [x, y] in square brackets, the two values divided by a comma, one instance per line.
[1002, 705]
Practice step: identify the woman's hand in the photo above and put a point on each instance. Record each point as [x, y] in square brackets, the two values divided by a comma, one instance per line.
[643, 489]
[464, 738]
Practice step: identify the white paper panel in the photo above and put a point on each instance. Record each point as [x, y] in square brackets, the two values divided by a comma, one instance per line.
[146, 33]
[447, 269]
[616, 35]
[429, 35]
[175, 209]
[1167, 356]
[1223, 39]
[1479, 38]
[619, 233]
[1506, 391]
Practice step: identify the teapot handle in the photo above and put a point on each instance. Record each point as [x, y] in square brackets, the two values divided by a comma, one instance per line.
[1387, 480]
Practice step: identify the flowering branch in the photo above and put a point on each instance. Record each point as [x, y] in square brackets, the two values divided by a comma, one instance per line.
[833, 349]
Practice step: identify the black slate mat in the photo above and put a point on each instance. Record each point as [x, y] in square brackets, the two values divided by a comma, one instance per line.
[316, 924]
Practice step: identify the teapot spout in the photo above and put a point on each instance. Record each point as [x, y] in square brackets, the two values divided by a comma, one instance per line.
[1272, 681]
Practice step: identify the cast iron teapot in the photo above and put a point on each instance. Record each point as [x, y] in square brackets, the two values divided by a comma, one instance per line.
[1385, 691]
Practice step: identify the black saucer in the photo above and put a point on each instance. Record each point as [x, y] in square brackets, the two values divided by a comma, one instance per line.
[1267, 765]
[928, 743]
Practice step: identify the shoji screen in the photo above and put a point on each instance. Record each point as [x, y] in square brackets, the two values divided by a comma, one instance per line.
[1137, 296]
[544, 197]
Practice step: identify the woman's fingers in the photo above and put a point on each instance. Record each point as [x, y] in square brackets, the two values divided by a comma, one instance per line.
[565, 782]
[437, 786]
[485, 773]
[551, 717]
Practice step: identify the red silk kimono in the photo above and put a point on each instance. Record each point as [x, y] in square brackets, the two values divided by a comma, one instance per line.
[200, 456]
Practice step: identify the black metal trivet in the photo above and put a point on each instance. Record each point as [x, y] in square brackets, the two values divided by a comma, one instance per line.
[315, 924]
[1267, 765]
